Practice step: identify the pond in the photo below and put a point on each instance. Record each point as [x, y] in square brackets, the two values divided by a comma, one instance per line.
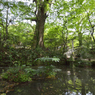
[68, 81]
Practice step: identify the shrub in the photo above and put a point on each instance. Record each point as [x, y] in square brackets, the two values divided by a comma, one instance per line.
[25, 73]
[17, 74]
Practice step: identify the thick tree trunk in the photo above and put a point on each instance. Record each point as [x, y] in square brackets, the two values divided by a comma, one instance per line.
[39, 31]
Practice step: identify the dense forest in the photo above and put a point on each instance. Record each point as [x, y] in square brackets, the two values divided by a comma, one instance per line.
[45, 28]
[45, 32]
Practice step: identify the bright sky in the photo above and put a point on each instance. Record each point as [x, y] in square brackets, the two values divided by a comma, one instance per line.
[25, 0]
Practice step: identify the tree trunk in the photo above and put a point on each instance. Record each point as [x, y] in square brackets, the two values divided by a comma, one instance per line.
[7, 24]
[39, 31]
[80, 38]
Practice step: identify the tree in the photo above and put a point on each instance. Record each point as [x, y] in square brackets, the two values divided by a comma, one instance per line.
[40, 21]
[35, 11]
[5, 20]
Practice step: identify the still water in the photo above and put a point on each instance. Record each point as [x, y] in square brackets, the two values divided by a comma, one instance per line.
[69, 81]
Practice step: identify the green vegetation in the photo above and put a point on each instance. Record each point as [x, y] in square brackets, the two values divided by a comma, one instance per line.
[17, 74]
[63, 34]
[25, 73]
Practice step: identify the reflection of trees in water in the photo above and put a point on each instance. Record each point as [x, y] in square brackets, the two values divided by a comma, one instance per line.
[73, 82]
[70, 81]
[39, 87]
[88, 84]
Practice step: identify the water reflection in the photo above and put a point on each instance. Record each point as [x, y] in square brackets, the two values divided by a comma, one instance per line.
[69, 81]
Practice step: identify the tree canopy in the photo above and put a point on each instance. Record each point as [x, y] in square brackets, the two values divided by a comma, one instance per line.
[53, 24]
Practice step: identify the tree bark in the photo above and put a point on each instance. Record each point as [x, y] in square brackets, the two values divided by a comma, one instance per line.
[7, 24]
[80, 38]
[39, 31]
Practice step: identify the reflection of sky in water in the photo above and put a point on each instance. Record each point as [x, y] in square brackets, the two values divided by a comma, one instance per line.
[74, 93]
[69, 81]
[89, 93]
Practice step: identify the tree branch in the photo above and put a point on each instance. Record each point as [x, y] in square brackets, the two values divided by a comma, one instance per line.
[31, 18]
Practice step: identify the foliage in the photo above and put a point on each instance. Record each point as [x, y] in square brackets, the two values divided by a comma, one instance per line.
[25, 73]
[3, 94]
[63, 22]
[45, 71]
[20, 56]
[83, 52]
[48, 59]
[19, 74]
[53, 36]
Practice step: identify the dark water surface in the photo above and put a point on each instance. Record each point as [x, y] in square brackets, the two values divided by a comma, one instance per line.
[69, 81]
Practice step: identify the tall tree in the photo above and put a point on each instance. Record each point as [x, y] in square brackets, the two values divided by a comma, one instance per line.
[36, 11]
[4, 19]
[41, 9]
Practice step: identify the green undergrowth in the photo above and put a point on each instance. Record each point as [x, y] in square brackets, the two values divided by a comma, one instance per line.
[21, 56]
[25, 73]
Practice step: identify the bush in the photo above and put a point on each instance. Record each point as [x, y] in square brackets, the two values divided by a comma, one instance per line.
[25, 73]
[17, 74]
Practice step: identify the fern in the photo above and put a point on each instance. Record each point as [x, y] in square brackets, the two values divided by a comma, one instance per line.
[48, 59]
